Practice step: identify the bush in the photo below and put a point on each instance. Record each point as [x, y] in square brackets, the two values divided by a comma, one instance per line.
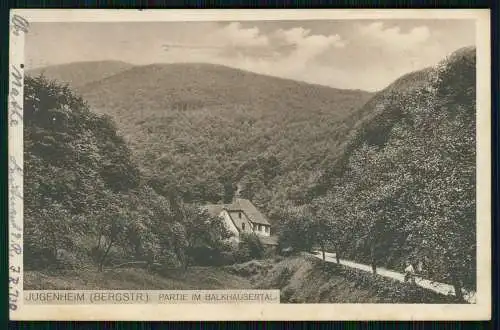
[297, 232]
[169, 260]
[270, 252]
[250, 247]
[204, 256]
[250, 268]
[73, 260]
[242, 254]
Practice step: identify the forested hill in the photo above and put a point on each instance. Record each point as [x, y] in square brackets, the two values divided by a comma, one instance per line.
[81, 73]
[372, 122]
[405, 187]
[379, 179]
[202, 129]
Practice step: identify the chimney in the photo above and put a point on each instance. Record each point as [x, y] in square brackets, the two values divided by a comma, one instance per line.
[236, 194]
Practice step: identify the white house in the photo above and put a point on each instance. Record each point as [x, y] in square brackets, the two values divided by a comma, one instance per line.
[242, 216]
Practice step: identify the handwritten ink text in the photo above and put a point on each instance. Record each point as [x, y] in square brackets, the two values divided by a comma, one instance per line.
[19, 24]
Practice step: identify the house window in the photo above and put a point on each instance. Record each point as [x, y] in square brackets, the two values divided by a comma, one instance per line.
[267, 229]
[243, 226]
[239, 214]
[261, 228]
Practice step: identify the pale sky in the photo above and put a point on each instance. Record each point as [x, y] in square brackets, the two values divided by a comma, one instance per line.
[354, 54]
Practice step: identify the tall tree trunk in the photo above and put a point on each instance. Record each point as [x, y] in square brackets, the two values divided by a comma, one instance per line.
[373, 260]
[99, 242]
[54, 247]
[54, 242]
[458, 290]
[323, 249]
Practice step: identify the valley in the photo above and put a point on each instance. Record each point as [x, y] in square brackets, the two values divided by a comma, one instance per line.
[380, 178]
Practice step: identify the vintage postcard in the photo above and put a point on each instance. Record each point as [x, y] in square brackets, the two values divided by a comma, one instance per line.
[249, 165]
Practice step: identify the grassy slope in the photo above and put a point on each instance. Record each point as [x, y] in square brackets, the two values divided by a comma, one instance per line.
[301, 279]
[134, 279]
[305, 279]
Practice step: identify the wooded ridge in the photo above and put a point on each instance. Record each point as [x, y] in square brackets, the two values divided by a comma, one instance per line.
[379, 178]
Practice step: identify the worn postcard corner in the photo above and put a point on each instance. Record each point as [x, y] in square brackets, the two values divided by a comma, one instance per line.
[249, 165]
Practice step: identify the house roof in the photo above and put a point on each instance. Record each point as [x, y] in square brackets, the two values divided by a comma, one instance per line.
[250, 210]
[240, 204]
[214, 209]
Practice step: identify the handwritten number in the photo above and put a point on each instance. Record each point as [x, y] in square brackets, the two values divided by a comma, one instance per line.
[14, 280]
[12, 307]
[16, 227]
[15, 247]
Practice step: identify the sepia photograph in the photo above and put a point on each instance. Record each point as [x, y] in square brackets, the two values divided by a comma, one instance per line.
[330, 161]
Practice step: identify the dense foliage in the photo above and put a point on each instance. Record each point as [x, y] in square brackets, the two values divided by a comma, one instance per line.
[407, 186]
[250, 247]
[205, 130]
[381, 183]
[85, 201]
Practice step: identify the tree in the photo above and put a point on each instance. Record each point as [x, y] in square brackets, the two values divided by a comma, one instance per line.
[411, 192]
[205, 235]
[51, 229]
[297, 230]
[250, 247]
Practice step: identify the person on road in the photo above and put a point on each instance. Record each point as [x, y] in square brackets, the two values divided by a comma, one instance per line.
[409, 273]
[420, 268]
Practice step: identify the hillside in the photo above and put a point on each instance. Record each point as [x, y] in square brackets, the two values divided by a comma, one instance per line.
[372, 122]
[300, 279]
[405, 187]
[383, 182]
[81, 73]
[86, 205]
[375, 119]
[304, 279]
[206, 129]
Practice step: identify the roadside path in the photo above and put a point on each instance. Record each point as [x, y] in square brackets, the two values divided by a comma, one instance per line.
[441, 288]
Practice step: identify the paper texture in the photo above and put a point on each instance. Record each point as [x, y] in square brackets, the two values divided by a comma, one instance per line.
[193, 200]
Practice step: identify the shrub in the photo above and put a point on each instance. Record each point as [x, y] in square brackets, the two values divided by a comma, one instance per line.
[250, 247]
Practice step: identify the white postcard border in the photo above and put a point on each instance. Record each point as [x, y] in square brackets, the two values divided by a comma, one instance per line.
[481, 310]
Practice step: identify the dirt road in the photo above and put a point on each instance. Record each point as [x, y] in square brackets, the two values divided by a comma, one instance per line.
[441, 288]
